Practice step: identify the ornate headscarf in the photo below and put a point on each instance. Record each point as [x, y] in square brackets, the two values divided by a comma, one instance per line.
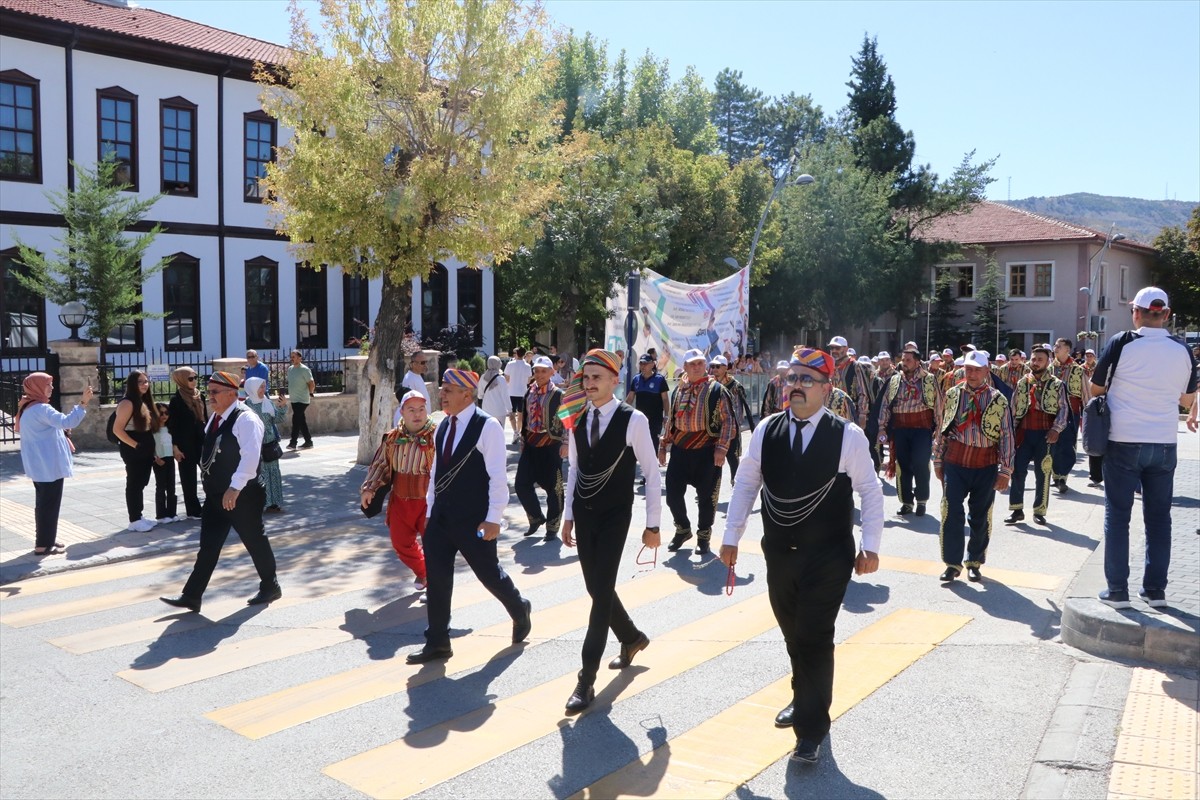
[189, 391]
[574, 399]
[37, 387]
[461, 377]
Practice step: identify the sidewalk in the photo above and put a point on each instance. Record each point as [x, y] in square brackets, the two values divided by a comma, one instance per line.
[1168, 636]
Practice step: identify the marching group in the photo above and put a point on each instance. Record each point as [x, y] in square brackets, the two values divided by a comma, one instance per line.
[829, 424]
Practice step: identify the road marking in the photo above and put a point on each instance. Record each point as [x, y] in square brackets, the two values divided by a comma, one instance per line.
[229, 657]
[19, 518]
[701, 763]
[1156, 753]
[916, 566]
[273, 713]
[461, 744]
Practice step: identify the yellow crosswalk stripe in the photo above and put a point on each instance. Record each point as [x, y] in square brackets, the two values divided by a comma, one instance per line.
[703, 763]
[917, 566]
[230, 657]
[20, 519]
[272, 713]
[459, 745]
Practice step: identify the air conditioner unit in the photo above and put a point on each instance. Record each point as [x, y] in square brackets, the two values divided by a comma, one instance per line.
[1103, 326]
[1104, 306]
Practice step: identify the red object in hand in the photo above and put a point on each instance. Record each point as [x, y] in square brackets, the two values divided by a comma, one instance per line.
[730, 582]
[653, 562]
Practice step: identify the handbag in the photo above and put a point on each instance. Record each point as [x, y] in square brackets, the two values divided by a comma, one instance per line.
[271, 451]
[1097, 417]
[373, 508]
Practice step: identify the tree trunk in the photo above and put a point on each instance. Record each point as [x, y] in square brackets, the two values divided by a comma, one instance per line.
[568, 310]
[377, 389]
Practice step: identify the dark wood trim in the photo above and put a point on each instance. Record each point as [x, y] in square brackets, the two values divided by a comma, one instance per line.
[34, 219]
[19, 78]
[121, 96]
[9, 256]
[178, 104]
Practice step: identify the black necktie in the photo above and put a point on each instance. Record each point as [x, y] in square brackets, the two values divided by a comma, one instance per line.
[798, 439]
[448, 445]
[595, 427]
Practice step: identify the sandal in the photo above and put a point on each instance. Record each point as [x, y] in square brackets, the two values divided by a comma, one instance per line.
[52, 550]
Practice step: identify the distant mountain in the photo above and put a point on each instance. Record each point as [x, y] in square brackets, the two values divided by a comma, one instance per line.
[1140, 220]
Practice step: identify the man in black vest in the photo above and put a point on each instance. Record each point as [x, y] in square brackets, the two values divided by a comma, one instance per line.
[468, 489]
[608, 438]
[540, 463]
[233, 497]
[808, 464]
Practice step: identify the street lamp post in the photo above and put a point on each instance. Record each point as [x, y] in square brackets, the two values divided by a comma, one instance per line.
[1094, 279]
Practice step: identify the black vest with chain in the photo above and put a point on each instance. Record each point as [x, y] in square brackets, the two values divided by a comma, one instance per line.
[460, 489]
[591, 462]
[220, 456]
[786, 476]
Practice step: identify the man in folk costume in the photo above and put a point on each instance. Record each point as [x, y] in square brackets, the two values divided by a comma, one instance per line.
[1071, 374]
[233, 497]
[775, 397]
[542, 446]
[403, 461]
[911, 405]
[851, 378]
[700, 429]
[606, 439]
[973, 459]
[1039, 416]
[949, 374]
[808, 464]
[1012, 370]
[738, 406]
[840, 404]
[468, 489]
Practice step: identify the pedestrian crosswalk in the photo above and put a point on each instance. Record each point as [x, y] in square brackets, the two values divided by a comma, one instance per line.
[99, 619]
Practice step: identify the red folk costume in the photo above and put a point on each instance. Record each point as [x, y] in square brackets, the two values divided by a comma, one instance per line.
[404, 460]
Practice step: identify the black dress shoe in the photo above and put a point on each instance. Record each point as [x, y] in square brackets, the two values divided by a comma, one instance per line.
[702, 548]
[268, 595]
[905, 510]
[581, 698]
[784, 718]
[1039, 519]
[920, 509]
[678, 539]
[522, 624]
[807, 751]
[533, 527]
[183, 601]
[628, 651]
[1014, 518]
[427, 654]
[974, 575]
[951, 574]
[1062, 486]
[550, 536]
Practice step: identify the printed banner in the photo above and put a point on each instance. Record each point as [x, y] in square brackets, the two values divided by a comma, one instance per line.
[673, 317]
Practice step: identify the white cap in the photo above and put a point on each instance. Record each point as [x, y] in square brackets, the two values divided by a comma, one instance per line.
[542, 361]
[975, 358]
[1149, 296]
[692, 355]
[782, 365]
[1001, 358]
[864, 360]
[412, 394]
[884, 354]
[719, 361]
[838, 341]
[1089, 352]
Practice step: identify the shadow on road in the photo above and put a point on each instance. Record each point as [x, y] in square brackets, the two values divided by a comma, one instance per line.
[594, 733]
[200, 642]
[464, 700]
[1002, 602]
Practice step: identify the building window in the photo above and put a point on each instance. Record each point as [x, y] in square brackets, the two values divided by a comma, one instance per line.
[20, 141]
[126, 337]
[470, 302]
[259, 151]
[312, 314]
[433, 301]
[356, 309]
[177, 118]
[22, 311]
[117, 120]
[963, 277]
[1124, 284]
[181, 302]
[262, 304]
[1031, 280]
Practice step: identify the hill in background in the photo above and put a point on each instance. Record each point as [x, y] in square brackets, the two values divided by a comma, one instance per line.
[1140, 220]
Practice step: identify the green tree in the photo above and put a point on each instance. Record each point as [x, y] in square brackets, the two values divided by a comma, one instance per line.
[579, 75]
[945, 323]
[690, 109]
[880, 144]
[422, 133]
[649, 97]
[788, 122]
[1177, 270]
[98, 262]
[988, 328]
[736, 112]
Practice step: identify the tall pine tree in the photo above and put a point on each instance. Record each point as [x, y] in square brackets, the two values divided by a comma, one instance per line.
[737, 113]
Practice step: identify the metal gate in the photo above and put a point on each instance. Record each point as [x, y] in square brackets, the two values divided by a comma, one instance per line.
[13, 371]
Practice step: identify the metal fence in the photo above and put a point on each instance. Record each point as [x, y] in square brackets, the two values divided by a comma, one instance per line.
[13, 371]
[326, 365]
[119, 365]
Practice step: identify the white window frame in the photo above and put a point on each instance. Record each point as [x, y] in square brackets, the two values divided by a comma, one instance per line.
[1028, 333]
[974, 278]
[1124, 288]
[1030, 280]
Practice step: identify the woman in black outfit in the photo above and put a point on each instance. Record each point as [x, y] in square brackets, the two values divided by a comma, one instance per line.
[186, 426]
[135, 425]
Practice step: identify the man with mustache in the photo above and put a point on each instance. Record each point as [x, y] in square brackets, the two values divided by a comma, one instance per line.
[808, 464]
[851, 378]
[1039, 416]
[1071, 374]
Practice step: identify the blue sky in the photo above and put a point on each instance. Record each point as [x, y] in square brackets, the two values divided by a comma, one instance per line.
[1100, 97]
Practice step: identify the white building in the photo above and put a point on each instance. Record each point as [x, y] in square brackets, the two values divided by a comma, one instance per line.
[175, 102]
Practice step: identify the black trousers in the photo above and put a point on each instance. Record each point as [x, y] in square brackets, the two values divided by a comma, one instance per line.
[806, 586]
[246, 519]
[693, 468]
[46, 505]
[442, 544]
[300, 423]
[913, 448]
[541, 467]
[139, 466]
[164, 489]
[188, 475]
[600, 537]
[1096, 468]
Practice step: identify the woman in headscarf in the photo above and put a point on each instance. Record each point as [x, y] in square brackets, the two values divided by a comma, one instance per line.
[493, 391]
[185, 423]
[135, 425]
[269, 475]
[562, 370]
[46, 454]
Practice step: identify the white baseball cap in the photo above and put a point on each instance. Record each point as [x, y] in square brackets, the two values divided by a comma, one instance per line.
[975, 358]
[543, 361]
[884, 354]
[782, 365]
[1149, 296]
[719, 361]
[838, 341]
[692, 355]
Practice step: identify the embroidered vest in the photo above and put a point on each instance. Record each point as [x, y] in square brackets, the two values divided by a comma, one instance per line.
[1047, 394]
[993, 415]
[929, 390]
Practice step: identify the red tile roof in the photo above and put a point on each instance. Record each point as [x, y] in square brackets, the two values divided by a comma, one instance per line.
[995, 223]
[142, 23]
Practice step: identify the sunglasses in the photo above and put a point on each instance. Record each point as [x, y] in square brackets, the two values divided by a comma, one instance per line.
[804, 381]
[191, 378]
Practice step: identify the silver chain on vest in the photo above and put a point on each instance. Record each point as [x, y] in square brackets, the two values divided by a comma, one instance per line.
[788, 511]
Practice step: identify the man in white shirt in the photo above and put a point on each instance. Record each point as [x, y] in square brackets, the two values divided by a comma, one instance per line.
[414, 381]
[807, 463]
[518, 374]
[468, 489]
[608, 438]
[1152, 373]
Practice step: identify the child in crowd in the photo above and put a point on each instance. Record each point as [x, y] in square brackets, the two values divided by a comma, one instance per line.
[164, 470]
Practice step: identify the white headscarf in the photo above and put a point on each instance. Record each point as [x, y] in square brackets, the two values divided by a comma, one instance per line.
[255, 390]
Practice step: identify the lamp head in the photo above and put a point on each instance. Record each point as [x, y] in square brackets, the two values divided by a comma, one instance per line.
[803, 180]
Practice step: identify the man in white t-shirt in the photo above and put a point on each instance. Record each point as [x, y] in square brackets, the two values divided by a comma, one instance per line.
[1152, 374]
[414, 380]
[518, 374]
